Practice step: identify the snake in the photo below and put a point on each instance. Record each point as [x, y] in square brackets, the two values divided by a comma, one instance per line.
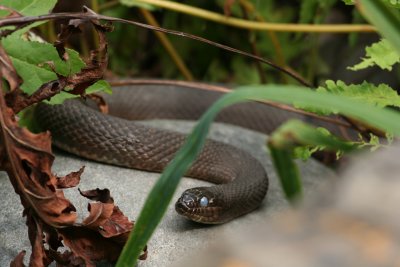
[118, 138]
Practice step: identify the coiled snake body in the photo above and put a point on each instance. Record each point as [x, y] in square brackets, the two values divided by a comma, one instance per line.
[241, 180]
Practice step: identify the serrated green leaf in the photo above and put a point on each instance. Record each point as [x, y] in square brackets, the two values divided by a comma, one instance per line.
[393, 3]
[387, 20]
[28, 8]
[295, 132]
[99, 86]
[380, 96]
[305, 152]
[32, 61]
[39, 53]
[374, 142]
[382, 54]
[135, 3]
[32, 75]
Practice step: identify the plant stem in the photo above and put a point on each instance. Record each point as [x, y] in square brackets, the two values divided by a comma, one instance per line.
[258, 26]
[180, 64]
[279, 57]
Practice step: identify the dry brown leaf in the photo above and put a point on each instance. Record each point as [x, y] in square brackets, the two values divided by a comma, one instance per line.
[51, 218]
[8, 71]
[70, 180]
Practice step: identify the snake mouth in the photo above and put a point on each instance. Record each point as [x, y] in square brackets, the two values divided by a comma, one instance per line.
[196, 207]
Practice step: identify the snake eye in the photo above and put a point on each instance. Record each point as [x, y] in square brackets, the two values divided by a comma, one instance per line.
[203, 202]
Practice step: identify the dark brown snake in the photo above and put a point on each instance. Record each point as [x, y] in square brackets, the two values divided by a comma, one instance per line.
[241, 180]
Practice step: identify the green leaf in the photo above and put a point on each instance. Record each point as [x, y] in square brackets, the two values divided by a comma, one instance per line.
[295, 132]
[288, 172]
[29, 8]
[135, 3]
[393, 3]
[32, 75]
[99, 86]
[305, 152]
[34, 62]
[161, 194]
[382, 54]
[387, 20]
[380, 96]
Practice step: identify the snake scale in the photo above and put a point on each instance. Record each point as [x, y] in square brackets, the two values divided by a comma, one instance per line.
[241, 180]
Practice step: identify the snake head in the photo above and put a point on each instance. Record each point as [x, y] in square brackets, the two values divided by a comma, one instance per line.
[200, 205]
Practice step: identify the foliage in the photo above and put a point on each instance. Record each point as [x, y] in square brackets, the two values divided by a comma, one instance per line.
[38, 62]
[385, 18]
[380, 96]
[30, 7]
[393, 3]
[382, 54]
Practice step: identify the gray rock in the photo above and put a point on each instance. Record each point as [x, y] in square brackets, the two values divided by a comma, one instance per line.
[175, 236]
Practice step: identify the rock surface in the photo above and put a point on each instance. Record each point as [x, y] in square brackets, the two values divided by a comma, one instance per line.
[176, 237]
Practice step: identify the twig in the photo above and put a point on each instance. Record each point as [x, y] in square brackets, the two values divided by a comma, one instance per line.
[82, 15]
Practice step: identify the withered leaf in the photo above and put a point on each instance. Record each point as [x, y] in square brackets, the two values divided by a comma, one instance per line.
[51, 218]
[90, 245]
[8, 71]
[19, 260]
[27, 158]
[98, 61]
[70, 180]
[100, 102]
[102, 195]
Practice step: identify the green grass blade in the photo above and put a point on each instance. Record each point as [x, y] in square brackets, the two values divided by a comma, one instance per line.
[386, 19]
[295, 132]
[161, 194]
[287, 171]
